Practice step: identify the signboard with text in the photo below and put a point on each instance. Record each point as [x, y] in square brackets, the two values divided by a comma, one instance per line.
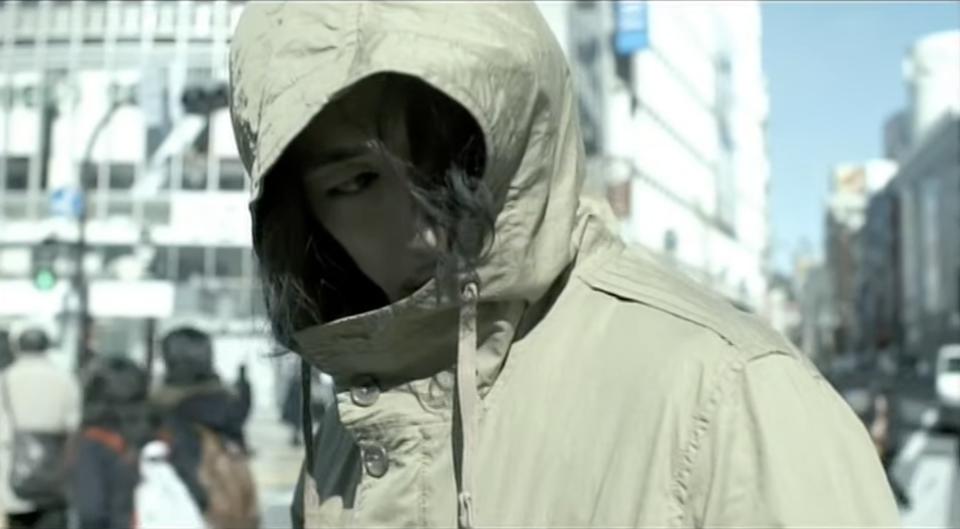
[632, 33]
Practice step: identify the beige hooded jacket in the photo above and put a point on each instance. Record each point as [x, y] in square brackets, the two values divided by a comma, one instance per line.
[595, 387]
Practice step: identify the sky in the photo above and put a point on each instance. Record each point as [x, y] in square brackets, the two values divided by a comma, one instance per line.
[834, 74]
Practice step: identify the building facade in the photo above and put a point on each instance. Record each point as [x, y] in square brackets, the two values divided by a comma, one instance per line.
[933, 82]
[878, 275]
[909, 284]
[817, 326]
[851, 187]
[90, 98]
[928, 190]
[674, 106]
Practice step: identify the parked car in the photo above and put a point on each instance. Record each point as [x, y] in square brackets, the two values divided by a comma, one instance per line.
[948, 386]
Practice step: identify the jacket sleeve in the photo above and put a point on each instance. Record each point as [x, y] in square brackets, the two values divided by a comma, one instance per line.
[778, 447]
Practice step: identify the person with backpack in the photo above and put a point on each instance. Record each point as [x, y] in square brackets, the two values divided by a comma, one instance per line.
[116, 424]
[39, 413]
[202, 422]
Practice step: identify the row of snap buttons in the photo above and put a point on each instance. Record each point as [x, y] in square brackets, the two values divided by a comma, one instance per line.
[365, 392]
[375, 461]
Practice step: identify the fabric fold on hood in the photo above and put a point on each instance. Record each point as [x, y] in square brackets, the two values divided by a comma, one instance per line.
[498, 60]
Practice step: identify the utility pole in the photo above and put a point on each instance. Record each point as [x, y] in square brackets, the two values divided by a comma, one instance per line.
[81, 283]
[196, 100]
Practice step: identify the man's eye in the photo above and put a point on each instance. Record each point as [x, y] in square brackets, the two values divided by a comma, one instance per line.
[354, 185]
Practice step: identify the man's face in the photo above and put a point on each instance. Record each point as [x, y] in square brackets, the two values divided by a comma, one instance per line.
[360, 195]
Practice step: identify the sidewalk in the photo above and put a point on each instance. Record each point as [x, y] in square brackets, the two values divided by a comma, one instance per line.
[275, 466]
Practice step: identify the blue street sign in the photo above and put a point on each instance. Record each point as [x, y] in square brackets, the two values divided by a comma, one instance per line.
[66, 201]
[632, 31]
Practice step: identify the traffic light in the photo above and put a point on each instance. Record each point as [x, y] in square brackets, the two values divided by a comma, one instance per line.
[204, 99]
[44, 257]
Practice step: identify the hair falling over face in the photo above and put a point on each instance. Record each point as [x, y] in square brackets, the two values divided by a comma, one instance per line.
[308, 277]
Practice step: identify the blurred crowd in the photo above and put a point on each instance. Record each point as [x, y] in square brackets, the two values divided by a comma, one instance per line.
[105, 448]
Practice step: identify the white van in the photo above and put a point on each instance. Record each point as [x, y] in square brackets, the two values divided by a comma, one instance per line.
[948, 385]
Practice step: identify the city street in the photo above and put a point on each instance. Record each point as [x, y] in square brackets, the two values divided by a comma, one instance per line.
[167, 223]
[275, 465]
[927, 466]
[929, 471]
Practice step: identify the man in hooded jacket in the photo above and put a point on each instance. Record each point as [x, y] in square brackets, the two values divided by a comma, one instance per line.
[586, 384]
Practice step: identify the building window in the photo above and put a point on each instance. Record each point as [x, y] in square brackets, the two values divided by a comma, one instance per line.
[156, 211]
[122, 176]
[229, 262]
[89, 173]
[232, 175]
[198, 75]
[194, 177]
[190, 263]
[112, 253]
[18, 173]
[160, 265]
[119, 206]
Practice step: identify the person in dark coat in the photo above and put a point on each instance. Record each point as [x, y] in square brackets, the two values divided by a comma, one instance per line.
[883, 423]
[193, 395]
[6, 352]
[116, 424]
[292, 412]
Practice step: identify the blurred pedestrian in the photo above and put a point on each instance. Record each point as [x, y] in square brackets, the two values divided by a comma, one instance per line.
[291, 411]
[39, 414]
[882, 428]
[116, 425]
[6, 351]
[202, 420]
[421, 236]
[6, 358]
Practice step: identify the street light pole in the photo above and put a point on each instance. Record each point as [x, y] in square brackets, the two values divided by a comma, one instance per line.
[198, 100]
[83, 353]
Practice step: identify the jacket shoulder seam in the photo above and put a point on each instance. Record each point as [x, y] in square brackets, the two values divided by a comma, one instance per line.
[625, 276]
[702, 420]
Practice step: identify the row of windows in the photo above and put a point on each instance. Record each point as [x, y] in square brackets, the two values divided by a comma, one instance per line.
[190, 263]
[122, 19]
[120, 176]
[30, 95]
[181, 264]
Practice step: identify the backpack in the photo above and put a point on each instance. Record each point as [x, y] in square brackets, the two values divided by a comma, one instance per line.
[226, 478]
[38, 462]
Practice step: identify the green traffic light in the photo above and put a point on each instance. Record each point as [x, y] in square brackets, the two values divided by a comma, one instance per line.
[45, 280]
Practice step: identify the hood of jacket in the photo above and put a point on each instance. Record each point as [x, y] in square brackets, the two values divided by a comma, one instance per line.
[501, 62]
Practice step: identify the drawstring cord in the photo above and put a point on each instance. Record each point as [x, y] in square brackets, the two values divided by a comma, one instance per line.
[468, 400]
[306, 414]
